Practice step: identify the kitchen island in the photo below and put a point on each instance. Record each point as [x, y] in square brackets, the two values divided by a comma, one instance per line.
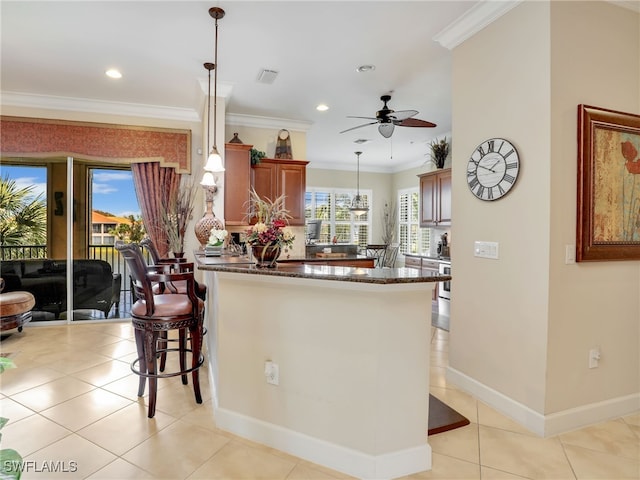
[350, 347]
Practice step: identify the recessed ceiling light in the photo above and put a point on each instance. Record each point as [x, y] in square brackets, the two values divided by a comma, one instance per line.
[322, 107]
[365, 68]
[113, 73]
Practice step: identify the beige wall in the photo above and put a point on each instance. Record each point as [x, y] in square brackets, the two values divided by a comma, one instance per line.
[595, 60]
[522, 325]
[499, 307]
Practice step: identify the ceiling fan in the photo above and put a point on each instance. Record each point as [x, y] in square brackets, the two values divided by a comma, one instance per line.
[388, 119]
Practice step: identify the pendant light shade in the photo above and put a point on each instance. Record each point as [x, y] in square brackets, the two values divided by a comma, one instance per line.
[358, 204]
[214, 162]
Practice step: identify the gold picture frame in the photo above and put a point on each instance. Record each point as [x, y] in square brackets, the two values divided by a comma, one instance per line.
[608, 214]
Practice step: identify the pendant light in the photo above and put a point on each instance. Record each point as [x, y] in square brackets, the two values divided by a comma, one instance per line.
[213, 165]
[214, 161]
[358, 205]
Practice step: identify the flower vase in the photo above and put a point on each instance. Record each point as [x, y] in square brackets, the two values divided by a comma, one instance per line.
[265, 255]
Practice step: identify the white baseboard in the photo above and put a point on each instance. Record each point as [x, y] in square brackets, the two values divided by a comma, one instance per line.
[330, 455]
[546, 425]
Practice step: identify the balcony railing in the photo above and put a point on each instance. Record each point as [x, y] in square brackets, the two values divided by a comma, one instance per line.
[100, 252]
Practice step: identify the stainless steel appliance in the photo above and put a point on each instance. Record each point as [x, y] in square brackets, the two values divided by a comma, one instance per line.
[444, 289]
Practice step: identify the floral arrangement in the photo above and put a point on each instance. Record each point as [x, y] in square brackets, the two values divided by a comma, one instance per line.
[272, 226]
[175, 210]
[217, 237]
[439, 151]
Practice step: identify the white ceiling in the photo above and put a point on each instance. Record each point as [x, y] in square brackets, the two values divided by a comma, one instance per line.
[62, 49]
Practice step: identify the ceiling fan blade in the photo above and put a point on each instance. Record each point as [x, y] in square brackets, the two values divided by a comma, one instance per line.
[359, 126]
[402, 115]
[386, 129]
[366, 118]
[415, 122]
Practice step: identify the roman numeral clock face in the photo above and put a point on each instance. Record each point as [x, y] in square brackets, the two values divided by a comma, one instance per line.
[493, 169]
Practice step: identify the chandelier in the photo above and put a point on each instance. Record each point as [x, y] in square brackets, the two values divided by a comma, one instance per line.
[358, 204]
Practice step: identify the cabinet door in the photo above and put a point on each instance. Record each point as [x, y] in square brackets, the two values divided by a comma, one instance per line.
[292, 183]
[237, 182]
[443, 216]
[264, 180]
[428, 189]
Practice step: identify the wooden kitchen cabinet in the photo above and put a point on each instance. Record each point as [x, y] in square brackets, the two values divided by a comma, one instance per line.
[237, 182]
[411, 261]
[435, 198]
[271, 178]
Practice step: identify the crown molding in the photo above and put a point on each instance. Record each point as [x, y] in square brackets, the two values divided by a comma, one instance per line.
[472, 21]
[224, 89]
[29, 100]
[633, 5]
[255, 121]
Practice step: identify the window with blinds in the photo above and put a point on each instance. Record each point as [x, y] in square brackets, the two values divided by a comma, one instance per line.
[332, 207]
[413, 239]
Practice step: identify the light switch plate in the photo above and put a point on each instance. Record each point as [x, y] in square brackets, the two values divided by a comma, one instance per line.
[486, 249]
[570, 254]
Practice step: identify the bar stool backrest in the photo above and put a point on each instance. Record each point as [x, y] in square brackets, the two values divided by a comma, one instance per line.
[138, 270]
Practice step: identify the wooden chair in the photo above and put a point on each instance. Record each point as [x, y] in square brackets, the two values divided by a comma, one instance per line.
[390, 255]
[156, 313]
[147, 243]
[179, 287]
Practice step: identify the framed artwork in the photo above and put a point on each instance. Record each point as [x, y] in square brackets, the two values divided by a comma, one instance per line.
[608, 220]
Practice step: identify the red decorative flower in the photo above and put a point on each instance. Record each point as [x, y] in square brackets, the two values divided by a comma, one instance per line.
[630, 153]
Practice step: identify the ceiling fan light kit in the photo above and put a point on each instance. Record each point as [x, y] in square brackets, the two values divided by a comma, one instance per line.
[388, 119]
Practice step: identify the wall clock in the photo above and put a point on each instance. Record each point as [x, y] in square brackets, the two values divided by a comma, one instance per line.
[493, 169]
[283, 145]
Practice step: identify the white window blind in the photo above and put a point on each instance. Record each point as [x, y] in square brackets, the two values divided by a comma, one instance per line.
[413, 239]
[331, 205]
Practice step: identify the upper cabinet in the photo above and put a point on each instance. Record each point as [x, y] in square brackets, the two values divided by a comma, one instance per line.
[271, 178]
[435, 198]
[237, 182]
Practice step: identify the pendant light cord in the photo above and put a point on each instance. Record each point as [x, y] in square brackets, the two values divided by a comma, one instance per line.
[215, 91]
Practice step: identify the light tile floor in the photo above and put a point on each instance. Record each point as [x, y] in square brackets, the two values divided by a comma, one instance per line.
[72, 406]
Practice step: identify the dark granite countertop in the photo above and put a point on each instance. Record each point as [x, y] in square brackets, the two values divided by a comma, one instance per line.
[383, 276]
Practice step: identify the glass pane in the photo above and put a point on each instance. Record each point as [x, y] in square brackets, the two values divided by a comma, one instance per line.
[414, 207]
[403, 206]
[23, 222]
[361, 235]
[343, 202]
[343, 232]
[115, 215]
[413, 239]
[404, 239]
[323, 206]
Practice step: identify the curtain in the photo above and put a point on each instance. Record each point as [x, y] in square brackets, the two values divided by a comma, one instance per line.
[154, 184]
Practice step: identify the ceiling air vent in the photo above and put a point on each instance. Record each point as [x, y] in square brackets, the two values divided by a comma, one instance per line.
[360, 141]
[267, 76]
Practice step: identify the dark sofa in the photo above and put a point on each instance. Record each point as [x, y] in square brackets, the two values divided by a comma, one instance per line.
[95, 286]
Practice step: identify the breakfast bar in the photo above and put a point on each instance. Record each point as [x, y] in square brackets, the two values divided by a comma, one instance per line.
[327, 363]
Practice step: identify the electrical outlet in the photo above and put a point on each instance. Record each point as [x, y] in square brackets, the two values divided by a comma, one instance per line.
[272, 372]
[594, 357]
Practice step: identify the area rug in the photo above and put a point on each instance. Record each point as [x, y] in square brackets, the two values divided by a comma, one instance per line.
[443, 418]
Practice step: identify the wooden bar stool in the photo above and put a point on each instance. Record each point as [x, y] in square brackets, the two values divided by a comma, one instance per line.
[153, 315]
